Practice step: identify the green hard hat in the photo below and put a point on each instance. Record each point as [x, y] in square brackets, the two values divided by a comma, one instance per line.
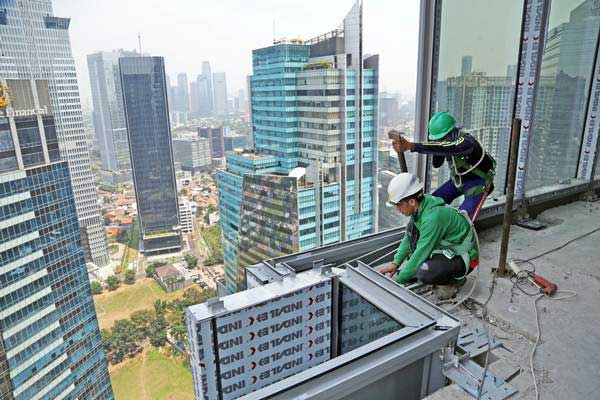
[440, 125]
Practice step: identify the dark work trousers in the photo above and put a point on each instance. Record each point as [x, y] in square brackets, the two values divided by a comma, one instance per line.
[441, 270]
[448, 192]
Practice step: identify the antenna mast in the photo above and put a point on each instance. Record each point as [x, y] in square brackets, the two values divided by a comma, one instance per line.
[140, 42]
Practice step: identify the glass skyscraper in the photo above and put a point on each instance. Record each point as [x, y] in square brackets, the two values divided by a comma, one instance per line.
[50, 343]
[35, 44]
[147, 116]
[314, 116]
[109, 118]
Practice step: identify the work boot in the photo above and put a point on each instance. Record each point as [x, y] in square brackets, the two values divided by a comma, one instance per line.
[446, 292]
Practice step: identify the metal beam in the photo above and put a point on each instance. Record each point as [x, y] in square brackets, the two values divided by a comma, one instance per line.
[533, 35]
[425, 78]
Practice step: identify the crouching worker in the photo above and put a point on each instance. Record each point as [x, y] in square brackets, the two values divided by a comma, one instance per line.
[440, 242]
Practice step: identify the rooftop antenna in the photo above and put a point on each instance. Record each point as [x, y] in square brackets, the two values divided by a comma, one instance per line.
[274, 37]
[140, 42]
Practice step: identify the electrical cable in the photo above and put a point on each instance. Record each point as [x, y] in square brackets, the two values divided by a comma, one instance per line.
[562, 246]
[570, 295]
[484, 309]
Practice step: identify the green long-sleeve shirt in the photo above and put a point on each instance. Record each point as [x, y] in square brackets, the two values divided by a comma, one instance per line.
[435, 223]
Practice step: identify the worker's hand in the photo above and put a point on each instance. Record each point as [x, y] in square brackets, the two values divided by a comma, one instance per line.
[402, 144]
[389, 269]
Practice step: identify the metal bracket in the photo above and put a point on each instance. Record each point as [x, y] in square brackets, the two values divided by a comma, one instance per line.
[467, 374]
[475, 342]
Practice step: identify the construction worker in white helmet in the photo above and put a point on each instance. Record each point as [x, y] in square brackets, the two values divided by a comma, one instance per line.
[440, 245]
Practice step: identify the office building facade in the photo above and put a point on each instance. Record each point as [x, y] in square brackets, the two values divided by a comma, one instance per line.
[182, 94]
[36, 45]
[219, 85]
[192, 153]
[233, 141]
[50, 343]
[109, 118]
[150, 146]
[185, 216]
[321, 135]
[216, 137]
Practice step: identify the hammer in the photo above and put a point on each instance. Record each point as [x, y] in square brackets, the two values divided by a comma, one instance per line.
[395, 135]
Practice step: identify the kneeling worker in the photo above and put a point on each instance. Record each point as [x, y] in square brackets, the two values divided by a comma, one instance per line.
[440, 241]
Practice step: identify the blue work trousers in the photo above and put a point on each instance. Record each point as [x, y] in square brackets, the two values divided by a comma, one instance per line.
[471, 204]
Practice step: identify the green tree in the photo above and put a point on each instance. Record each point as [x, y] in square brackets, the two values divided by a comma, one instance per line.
[179, 331]
[106, 339]
[193, 296]
[143, 320]
[129, 277]
[113, 282]
[96, 287]
[150, 270]
[158, 329]
[124, 341]
[191, 260]
[122, 237]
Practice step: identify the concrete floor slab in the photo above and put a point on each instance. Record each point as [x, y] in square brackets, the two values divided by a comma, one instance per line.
[567, 361]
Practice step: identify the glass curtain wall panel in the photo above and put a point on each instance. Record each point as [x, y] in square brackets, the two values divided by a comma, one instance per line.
[562, 95]
[476, 75]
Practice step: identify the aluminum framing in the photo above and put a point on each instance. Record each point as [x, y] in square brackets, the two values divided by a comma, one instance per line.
[589, 150]
[430, 330]
[533, 33]
[428, 48]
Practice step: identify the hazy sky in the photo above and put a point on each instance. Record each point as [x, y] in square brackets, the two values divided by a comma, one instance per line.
[224, 32]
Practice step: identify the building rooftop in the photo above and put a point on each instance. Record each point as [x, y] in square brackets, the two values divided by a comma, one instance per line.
[167, 271]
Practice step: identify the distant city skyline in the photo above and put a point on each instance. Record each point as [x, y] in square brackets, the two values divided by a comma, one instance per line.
[225, 34]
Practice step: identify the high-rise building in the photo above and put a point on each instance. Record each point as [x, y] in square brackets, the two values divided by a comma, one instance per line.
[109, 119]
[205, 91]
[466, 67]
[234, 141]
[311, 181]
[194, 98]
[50, 343]
[145, 100]
[220, 93]
[388, 111]
[182, 94]
[216, 137]
[192, 153]
[185, 216]
[36, 45]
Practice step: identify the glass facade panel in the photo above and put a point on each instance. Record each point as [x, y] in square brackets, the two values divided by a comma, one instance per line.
[30, 141]
[51, 139]
[562, 93]
[361, 322]
[476, 74]
[8, 158]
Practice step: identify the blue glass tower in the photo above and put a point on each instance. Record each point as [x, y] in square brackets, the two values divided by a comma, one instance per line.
[314, 116]
[50, 344]
[147, 117]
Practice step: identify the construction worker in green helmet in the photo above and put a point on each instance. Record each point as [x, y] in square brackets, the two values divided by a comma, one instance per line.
[472, 169]
[440, 245]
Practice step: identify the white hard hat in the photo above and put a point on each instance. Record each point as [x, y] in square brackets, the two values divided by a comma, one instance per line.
[401, 186]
